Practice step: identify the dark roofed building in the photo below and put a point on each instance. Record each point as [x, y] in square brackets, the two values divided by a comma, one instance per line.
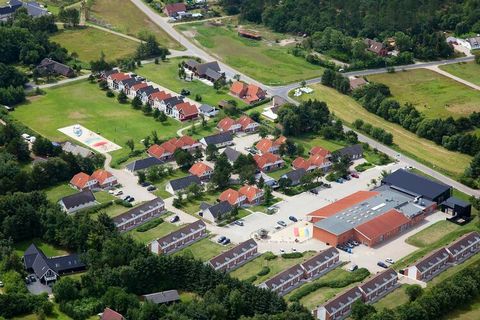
[168, 296]
[339, 307]
[208, 110]
[232, 154]
[49, 269]
[355, 152]
[430, 266]
[295, 176]
[321, 263]
[139, 215]
[182, 183]
[48, 66]
[219, 140]
[285, 281]
[465, 247]
[235, 257]
[209, 70]
[78, 201]
[34, 9]
[217, 211]
[143, 164]
[416, 185]
[460, 210]
[179, 239]
[379, 285]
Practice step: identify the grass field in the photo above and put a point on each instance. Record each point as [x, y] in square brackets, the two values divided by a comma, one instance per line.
[89, 42]
[84, 103]
[469, 71]
[425, 151]
[432, 234]
[276, 266]
[431, 93]
[125, 17]
[204, 249]
[159, 231]
[166, 74]
[393, 299]
[49, 250]
[264, 60]
[56, 193]
[193, 206]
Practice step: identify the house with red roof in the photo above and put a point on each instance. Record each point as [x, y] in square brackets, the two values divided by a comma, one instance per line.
[268, 162]
[321, 151]
[132, 91]
[269, 145]
[249, 93]
[315, 161]
[109, 314]
[114, 79]
[254, 195]
[100, 179]
[173, 9]
[201, 170]
[184, 111]
[233, 197]
[229, 125]
[103, 178]
[157, 98]
[165, 151]
[81, 181]
[248, 125]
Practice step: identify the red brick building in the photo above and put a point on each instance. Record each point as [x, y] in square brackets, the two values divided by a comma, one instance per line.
[235, 257]
[179, 239]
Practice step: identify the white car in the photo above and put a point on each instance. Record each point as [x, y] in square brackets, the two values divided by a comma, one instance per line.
[119, 193]
[389, 260]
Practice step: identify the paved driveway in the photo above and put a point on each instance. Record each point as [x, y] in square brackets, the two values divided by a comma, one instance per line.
[243, 141]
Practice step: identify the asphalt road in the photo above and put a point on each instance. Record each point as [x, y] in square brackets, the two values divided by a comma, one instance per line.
[283, 91]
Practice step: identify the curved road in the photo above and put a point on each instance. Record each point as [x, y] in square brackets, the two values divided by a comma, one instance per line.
[283, 91]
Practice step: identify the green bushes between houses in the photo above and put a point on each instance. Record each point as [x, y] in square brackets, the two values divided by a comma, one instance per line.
[292, 255]
[264, 271]
[150, 225]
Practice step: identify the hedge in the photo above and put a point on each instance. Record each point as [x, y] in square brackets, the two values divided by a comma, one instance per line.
[293, 255]
[264, 271]
[269, 256]
[150, 225]
[251, 279]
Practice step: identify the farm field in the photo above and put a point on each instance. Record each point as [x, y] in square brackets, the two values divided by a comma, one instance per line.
[204, 249]
[423, 150]
[469, 71]
[125, 17]
[166, 74]
[84, 103]
[266, 61]
[89, 42]
[431, 93]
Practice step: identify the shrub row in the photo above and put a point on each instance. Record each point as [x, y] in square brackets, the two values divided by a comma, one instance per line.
[150, 225]
[264, 271]
[292, 255]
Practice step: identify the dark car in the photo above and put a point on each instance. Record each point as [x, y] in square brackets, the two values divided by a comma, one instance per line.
[221, 239]
[145, 184]
[226, 241]
[127, 198]
[239, 223]
[131, 199]
[33, 278]
[314, 191]
[151, 188]
[292, 218]
[185, 92]
[382, 264]
[175, 219]
[27, 280]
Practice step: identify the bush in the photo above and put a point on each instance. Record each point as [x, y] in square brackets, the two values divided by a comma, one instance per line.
[269, 256]
[110, 94]
[364, 166]
[264, 271]
[150, 225]
[124, 203]
[292, 255]
[96, 208]
[251, 279]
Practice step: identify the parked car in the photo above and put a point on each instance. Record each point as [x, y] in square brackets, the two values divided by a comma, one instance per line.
[185, 92]
[151, 188]
[340, 180]
[118, 193]
[353, 267]
[347, 177]
[9, 109]
[282, 223]
[33, 278]
[390, 260]
[131, 199]
[355, 175]
[292, 218]
[127, 198]
[239, 223]
[27, 280]
[145, 184]
[221, 239]
[175, 219]
[282, 251]
[294, 250]
[111, 192]
[355, 243]
[314, 191]
[278, 228]
[382, 264]
[226, 241]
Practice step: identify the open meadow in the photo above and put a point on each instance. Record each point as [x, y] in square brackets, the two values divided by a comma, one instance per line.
[123, 16]
[89, 42]
[84, 103]
[431, 93]
[469, 71]
[266, 60]
[423, 150]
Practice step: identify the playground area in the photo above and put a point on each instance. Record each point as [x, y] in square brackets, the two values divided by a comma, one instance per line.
[297, 232]
[90, 138]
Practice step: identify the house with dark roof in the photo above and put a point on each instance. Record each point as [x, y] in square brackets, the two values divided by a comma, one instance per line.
[429, 266]
[34, 9]
[174, 186]
[232, 154]
[321, 263]
[49, 269]
[163, 297]
[235, 257]
[76, 150]
[49, 66]
[179, 239]
[78, 201]
[210, 70]
[208, 110]
[295, 176]
[354, 152]
[418, 186]
[285, 281]
[219, 140]
[379, 285]
[376, 47]
[338, 307]
[139, 215]
[168, 104]
[143, 164]
[217, 211]
[110, 314]
[173, 9]
[465, 247]
[460, 211]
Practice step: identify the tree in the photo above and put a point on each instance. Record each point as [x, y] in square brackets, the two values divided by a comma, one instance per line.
[142, 177]
[129, 143]
[19, 148]
[146, 109]
[477, 58]
[146, 142]
[162, 117]
[261, 182]
[195, 190]
[136, 103]
[211, 152]
[263, 132]
[268, 195]
[413, 292]
[103, 85]
[69, 16]
[122, 97]
[198, 154]
[284, 183]
[183, 158]
[66, 289]
[222, 172]
[361, 311]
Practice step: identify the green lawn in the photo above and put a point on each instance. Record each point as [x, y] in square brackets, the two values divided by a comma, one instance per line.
[393, 299]
[276, 266]
[56, 193]
[280, 172]
[84, 103]
[159, 231]
[432, 234]
[166, 74]
[264, 60]
[310, 141]
[56, 314]
[263, 207]
[89, 42]
[193, 206]
[161, 192]
[123, 16]
[423, 150]
[469, 71]
[431, 93]
[204, 249]
[49, 250]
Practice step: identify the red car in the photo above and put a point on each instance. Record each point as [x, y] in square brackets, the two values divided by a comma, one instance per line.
[354, 174]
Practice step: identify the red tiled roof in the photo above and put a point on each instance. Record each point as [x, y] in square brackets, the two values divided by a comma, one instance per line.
[109, 314]
[187, 109]
[198, 169]
[226, 123]
[301, 163]
[238, 88]
[185, 141]
[382, 224]
[169, 145]
[319, 150]
[156, 151]
[229, 195]
[80, 180]
[139, 86]
[264, 145]
[265, 158]
[160, 95]
[175, 7]
[343, 204]
[244, 121]
[317, 159]
[280, 140]
[101, 175]
[119, 76]
[249, 191]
